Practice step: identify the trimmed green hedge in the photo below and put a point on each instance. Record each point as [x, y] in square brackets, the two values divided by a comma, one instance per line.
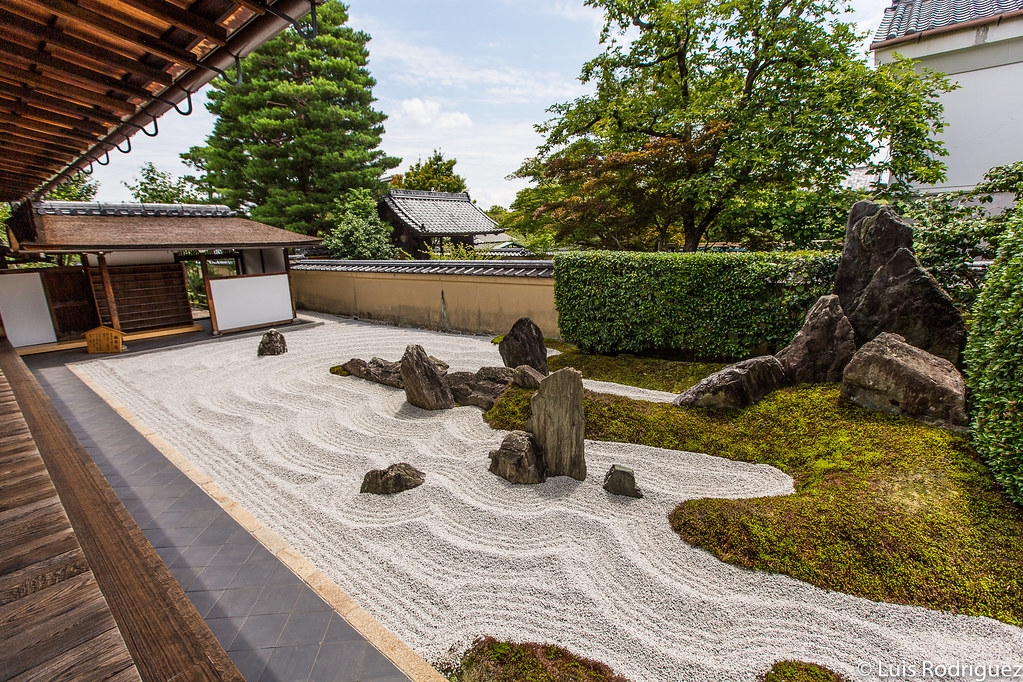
[712, 306]
[994, 364]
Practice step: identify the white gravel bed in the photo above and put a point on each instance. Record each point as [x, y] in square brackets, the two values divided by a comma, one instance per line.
[467, 554]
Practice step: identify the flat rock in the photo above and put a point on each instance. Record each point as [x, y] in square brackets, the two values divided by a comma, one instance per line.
[736, 386]
[272, 343]
[524, 345]
[873, 233]
[903, 298]
[527, 377]
[823, 347]
[481, 388]
[424, 385]
[558, 423]
[890, 375]
[518, 460]
[393, 479]
[384, 371]
[621, 480]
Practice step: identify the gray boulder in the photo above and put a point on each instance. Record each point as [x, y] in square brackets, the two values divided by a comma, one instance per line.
[524, 345]
[424, 385]
[903, 298]
[272, 343]
[823, 347]
[890, 375]
[621, 480]
[527, 377]
[518, 460]
[383, 371]
[559, 424]
[873, 234]
[736, 386]
[482, 388]
[393, 479]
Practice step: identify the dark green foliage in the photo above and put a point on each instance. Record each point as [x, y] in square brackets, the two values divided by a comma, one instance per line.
[490, 660]
[994, 364]
[436, 174]
[160, 187]
[358, 232]
[715, 306]
[884, 508]
[797, 671]
[300, 130]
[76, 188]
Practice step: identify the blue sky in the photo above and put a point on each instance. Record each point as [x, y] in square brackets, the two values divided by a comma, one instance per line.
[467, 77]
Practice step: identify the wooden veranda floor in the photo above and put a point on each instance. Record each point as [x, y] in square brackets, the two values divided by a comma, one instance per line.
[83, 595]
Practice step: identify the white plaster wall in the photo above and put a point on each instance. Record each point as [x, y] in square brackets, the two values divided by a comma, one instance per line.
[24, 310]
[249, 301]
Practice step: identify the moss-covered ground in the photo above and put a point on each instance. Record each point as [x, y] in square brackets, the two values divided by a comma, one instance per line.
[796, 671]
[884, 508]
[490, 660]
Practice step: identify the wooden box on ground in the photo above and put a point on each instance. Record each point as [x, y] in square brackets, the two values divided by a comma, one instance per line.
[104, 339]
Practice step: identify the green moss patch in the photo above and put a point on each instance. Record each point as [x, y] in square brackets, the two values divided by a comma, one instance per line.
[490, 660]
[340, 371]
[884, 508]
[797, 671]
[652, 373]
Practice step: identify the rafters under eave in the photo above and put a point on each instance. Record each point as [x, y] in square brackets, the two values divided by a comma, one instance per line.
[79, 76]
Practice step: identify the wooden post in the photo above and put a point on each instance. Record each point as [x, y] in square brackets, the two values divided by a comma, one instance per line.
[108, 291]
[209, 292]
[291, 291]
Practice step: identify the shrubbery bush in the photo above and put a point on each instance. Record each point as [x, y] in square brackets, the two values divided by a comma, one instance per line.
[714, 306]
[994, 363]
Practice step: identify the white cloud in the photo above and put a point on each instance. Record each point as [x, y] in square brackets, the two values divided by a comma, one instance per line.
[427, 113]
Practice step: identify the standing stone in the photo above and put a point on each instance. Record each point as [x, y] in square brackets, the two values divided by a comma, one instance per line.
[621, 480]
[736, 386]
[823, 347]
[889, 375]
[518, 460]
[482, 388]
[559, 424]
[393, 479]
[272, 343]
[424, 385]
[873, 234]
[524, 345]
[526, 377]
[904, 299]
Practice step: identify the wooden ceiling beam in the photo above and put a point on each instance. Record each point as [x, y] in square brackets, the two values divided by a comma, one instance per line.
[16, 128]
[35, 150]
[185, 20]
[78, 94]
[25, 124]
[42, 174]
[16, 164]
[57, 67]
[115, 30]
[84, 48]
[22, 109]
[11, 137]
[50, 103]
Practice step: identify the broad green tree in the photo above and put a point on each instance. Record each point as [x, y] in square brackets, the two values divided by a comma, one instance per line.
[358, 232]
[697, 104]
[76, 188]
[436, 174]
[300, 130]
[154, 186]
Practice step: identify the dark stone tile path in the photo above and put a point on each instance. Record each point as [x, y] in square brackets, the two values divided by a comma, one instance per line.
[274, 626]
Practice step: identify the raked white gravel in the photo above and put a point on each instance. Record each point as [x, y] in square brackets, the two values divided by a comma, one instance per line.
[467, 554]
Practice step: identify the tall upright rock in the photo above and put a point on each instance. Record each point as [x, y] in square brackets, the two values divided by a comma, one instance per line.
[558, 423]
[524, 345]
[424, 385]
[873, 233]
[822, 348]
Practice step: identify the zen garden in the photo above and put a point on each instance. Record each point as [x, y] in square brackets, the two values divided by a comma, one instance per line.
[728, 392]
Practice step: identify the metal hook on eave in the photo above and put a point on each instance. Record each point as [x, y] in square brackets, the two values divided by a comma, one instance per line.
[88, 172]
[106, 154]
[314, 25]
[136, 126]
[124, 151]
[237, 67]
[188, 94]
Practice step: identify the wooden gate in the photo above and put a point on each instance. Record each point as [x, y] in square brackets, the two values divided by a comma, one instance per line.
[146, 296]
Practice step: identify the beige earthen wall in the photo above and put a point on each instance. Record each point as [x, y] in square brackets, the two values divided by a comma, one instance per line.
[483, 305]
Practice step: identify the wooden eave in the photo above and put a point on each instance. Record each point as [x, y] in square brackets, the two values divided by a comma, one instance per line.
[79, 77]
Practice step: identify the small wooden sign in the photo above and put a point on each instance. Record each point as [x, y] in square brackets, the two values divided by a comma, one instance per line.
[104, 339]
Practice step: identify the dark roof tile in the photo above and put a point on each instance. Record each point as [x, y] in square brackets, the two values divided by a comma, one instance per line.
[435, 214]
[906, 17]
[475, 268]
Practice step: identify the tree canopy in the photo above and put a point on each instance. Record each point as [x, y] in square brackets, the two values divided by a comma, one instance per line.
[76, 188]
[436, 174]
[358, 232]
[300, 130]
[697, 105]
[161, 187]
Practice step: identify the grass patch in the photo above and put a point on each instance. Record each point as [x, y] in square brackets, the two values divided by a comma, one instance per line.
[884, 508]
[797, 671]
[490, 660]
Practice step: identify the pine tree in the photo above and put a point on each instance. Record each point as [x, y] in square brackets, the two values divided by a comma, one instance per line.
[300, 130]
